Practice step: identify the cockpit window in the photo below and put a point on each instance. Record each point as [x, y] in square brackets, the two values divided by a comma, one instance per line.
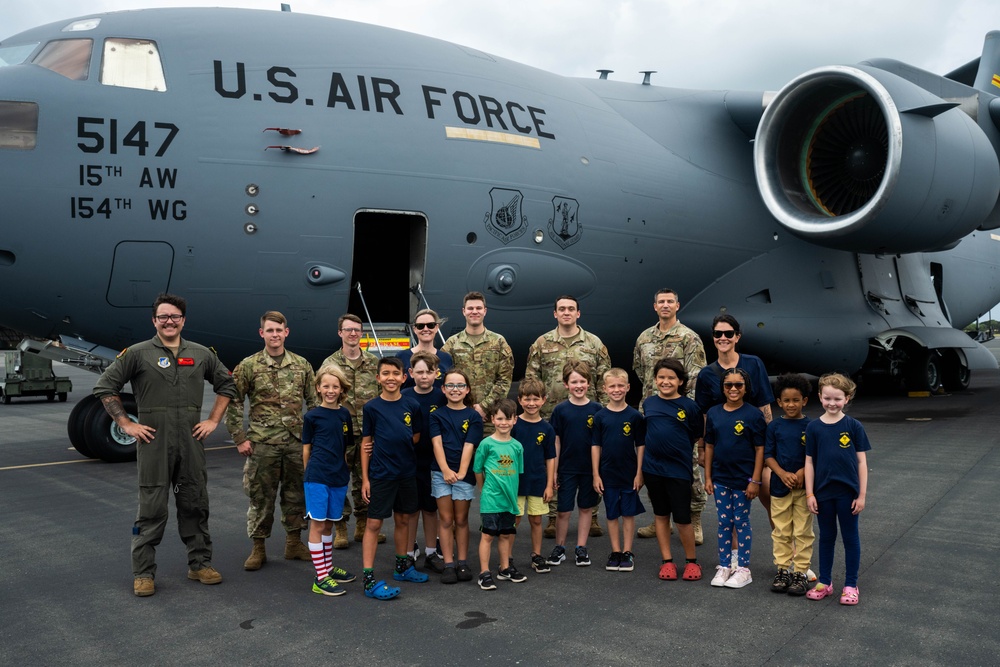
[132, 63]
[69, 57]
[15, 55]
[18, 125]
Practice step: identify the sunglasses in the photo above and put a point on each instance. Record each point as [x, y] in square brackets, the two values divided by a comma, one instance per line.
[733, 385]
[420, 326]
[728, 333]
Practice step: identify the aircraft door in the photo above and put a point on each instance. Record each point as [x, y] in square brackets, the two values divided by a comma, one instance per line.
[901, 290]
[140, 271]
[390, 251]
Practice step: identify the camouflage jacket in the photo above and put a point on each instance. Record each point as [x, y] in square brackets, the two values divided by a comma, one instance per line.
[550, 352]
[679, 342]
[489, 363]
[364, 387]
[276, 392]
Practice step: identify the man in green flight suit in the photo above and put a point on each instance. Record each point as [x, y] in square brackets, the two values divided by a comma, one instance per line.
[168, 376]
[278, 383]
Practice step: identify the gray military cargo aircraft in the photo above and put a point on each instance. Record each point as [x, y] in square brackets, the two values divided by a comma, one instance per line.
[252, 160]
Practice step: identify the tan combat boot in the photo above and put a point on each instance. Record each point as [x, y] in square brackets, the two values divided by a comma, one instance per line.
[143, 587]
[595, 527]
[550, 530]
[647, 531]
[294, 548]
[359, 531]
[340, 538]
[699, 535]
[257, 556]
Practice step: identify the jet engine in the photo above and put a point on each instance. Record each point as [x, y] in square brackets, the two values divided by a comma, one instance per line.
[859, 159]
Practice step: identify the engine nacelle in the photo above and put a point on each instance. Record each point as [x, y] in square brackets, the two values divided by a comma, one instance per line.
[858, 159]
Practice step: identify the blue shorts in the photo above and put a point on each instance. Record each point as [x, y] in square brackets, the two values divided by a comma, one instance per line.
[458, 491]
[497, 523]
[576, 488]
[622, 502]
[324, 503]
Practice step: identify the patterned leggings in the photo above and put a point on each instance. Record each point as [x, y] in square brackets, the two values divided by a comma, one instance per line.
[734, 510]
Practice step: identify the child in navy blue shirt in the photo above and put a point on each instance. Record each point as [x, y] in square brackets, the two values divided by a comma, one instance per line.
[785, 454]
[674, 426]
[734, 460]
[572, 421]
[456, 430]
[619, 439]
[390, 428]
[425, 391]
[837, 483]
[537, 483]
[326, 435]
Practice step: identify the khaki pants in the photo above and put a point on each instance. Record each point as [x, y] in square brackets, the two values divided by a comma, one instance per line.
[793, 531]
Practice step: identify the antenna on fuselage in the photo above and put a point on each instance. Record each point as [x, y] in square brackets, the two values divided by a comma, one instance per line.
[646, 73]
[604, 73]
[285, 7]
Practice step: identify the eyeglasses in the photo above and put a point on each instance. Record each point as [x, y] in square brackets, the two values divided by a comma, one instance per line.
[420, 326]
[164, 318]
[351, 332]
[719, 333]
[733, 385]
[455, 386]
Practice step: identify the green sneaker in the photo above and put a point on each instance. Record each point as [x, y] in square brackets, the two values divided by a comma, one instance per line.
[341, 575]
[327, 586]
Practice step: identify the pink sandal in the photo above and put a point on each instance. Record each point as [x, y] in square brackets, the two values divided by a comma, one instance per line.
[821, 591]
[668, 572]
[849, 596]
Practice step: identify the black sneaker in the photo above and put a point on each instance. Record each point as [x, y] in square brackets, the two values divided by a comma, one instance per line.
[614, 561]
[511, 574]
[539, 565]
[781, 581]
[464, 572]
[486, 582]
[557, 556]
[798, 584]
[434, 563]
[582, 557]
[449, 576]
[627, 563]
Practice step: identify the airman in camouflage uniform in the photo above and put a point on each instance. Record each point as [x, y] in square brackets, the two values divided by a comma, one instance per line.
[277, 382]
[546, 358]
[484, 356]
[668, 338]
[360, 367]
[567, 342]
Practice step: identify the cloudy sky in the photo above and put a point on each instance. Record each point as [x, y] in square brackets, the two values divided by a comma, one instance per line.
[742, 44]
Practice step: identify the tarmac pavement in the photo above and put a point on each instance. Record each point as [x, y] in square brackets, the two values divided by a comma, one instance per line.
[930, 542]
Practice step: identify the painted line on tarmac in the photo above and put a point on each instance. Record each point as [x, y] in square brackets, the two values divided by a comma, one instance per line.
[60, 463]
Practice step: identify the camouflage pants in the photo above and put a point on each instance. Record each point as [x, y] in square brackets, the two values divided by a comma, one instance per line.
[267, 469]
[698, 495]
[353, 455]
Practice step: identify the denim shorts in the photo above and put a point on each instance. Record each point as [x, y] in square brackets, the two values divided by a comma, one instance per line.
[458, 491]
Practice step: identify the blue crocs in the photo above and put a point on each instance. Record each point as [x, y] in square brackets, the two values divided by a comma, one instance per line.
[410, 574]
[381, 591]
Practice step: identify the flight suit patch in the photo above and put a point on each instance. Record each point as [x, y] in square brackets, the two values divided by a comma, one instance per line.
[164, 362]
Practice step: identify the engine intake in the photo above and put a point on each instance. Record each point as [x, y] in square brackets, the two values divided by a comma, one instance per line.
[858, 159]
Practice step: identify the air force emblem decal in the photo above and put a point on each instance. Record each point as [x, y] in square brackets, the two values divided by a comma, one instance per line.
[505, 219]
[564, 225]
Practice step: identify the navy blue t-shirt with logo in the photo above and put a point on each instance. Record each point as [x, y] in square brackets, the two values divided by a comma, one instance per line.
[735, 436]
[391, 424]
[619, 435]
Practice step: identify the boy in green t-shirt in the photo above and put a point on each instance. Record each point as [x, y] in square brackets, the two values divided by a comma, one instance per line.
[499, 462]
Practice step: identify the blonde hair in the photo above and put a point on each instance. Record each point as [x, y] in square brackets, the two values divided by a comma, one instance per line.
[838, 381]
[616, 372]
[337, 372]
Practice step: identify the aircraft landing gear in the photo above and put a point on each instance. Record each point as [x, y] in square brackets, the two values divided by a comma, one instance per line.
[924, 372]
[95, 435]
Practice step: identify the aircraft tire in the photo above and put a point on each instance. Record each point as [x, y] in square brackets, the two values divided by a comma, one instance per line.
[957, 376]
[105, 439]
[62, 396]
[75, 424]
[925, 372]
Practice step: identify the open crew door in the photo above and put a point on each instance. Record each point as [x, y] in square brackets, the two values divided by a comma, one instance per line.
[390, 251]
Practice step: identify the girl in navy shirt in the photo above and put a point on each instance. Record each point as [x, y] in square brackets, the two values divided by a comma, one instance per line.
[734, 458]
[836, 483]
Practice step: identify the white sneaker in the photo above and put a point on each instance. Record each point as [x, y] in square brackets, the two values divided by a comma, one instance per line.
[740, 578]
[721, 575]
[810, 576]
